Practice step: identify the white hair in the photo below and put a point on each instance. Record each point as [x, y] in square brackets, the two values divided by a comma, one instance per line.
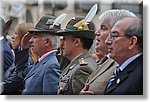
[54, 39]
[112, 16]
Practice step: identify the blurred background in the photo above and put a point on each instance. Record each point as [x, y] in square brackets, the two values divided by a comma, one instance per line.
[30, 10]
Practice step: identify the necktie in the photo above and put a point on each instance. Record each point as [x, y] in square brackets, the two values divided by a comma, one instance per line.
[114, 76]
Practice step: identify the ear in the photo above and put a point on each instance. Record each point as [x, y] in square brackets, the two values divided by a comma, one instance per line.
[47, 42]
[133, 42]
[77, 41]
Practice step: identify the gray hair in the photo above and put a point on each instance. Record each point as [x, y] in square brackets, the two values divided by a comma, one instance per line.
[136, 29]
[112, 16]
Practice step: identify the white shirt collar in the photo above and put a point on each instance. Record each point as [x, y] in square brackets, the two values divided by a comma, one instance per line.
[1, 38]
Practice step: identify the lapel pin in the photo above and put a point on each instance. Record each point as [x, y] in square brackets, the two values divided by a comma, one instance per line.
[118, 81]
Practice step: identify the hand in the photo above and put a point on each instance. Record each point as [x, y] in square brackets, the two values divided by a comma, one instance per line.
[25, 41]
[85, 91]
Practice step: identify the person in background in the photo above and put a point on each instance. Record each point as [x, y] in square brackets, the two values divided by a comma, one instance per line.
[13, 84]
[125, 46]
[61, 58]
[98, 80]
[7, 55]
[20, 31]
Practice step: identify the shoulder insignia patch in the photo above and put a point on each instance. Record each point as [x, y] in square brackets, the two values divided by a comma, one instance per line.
[82, 62]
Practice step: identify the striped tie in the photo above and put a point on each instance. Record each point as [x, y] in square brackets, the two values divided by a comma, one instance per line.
[113, 77]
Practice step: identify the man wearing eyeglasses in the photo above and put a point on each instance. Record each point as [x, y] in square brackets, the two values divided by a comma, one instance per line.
[125, 46]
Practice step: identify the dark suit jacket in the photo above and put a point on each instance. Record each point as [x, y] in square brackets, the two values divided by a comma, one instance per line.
[130, 80]
[8, 57]
[13, 83]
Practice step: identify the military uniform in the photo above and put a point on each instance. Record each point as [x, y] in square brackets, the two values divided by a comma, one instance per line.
[76, 73]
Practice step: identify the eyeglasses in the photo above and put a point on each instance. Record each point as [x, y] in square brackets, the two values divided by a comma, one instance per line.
[113, 36]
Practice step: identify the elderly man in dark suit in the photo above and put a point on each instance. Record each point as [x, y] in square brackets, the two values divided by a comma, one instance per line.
[125, 46]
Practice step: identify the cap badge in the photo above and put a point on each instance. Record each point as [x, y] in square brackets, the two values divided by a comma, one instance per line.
[50, 22]
[81, 25]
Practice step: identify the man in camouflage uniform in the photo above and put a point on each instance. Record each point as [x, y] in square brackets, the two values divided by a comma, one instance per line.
[77, 40]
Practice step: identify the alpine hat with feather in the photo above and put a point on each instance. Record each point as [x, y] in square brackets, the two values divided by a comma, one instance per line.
[81, 26]
[48, 24]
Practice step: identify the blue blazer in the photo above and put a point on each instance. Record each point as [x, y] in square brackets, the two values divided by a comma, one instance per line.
[8, 57]
[130, 80]
[43, 78]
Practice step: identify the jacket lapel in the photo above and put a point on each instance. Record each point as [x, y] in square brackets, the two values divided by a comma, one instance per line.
[101, 69]
[124, 74]
[69, 67]
[33, 70]
[38, 66]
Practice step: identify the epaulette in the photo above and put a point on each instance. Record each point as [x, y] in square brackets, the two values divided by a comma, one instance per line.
[82, 62]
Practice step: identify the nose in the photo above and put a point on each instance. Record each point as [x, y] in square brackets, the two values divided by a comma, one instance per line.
[108, 41]
[31, 40]
[97, 32]
[62, 43]
[12, 37]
